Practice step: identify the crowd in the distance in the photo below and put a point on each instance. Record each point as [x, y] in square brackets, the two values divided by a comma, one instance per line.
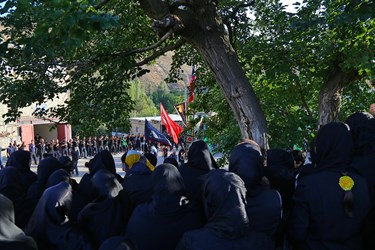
[265, 200]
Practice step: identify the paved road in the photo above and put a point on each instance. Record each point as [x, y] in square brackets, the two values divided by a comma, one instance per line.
[82, 169]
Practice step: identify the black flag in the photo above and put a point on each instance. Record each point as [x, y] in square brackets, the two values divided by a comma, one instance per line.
[152, 134]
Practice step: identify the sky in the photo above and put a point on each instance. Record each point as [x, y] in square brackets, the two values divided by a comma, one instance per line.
[290, 7]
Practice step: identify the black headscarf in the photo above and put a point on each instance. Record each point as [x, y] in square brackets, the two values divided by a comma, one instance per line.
[362, 126]
[48, 222]
[225, 204]
[200, 162]
[334, 146]
[66, 163]
[11, 183]
[247, 162]
[105, 185]
[160, 224]
[199, 156]
[20, 160]
[108, 214]
[45, 168]
[11, 236]
[169, 189]
[172, 161]
[103, 160]
[57, 177]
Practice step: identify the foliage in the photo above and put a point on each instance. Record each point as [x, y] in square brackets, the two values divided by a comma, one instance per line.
[166, 97]
[290, 57]
[90, 57]
[95, 55]
[143, 104]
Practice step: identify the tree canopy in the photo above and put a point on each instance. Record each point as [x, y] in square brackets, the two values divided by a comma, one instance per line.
[257, 62]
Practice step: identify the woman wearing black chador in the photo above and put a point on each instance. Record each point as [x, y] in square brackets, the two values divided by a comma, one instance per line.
[330, 205]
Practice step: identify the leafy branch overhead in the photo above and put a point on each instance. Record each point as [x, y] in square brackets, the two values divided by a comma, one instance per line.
[265, 64]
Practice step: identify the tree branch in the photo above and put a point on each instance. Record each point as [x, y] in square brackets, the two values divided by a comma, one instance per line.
[236, 9]
[303, 99]
[100, 4]
[160, 52]
[153, 46]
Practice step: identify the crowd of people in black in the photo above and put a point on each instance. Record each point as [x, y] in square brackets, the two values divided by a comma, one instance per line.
[265, 200]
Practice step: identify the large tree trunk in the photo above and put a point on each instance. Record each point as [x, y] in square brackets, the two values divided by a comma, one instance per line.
[330, 95]
[203, 28]
[222, 60]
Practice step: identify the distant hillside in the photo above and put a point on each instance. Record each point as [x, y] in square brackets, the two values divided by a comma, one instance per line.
[159, 72]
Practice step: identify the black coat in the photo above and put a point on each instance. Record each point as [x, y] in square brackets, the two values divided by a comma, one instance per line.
[319, 219]
[21, 161]
[161, 223]
[11, 236]
[200, 162]
[102, 160]
[263, 203]
[108, 214]
[138, 180]
[49, 224]
[228, 225]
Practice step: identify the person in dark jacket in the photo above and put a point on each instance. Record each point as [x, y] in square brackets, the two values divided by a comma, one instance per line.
[281, 176]
[21, 161]
[160, 223]
[11, 236]
[280, 173]
[45, 168]
[228, 225]
[117, 243]
[11, 186]
[84, 195]
[200, 161]
[330, 205]
[263, 203]
[138, 180]
[172, 161]
[109, 213]
[362, 126]
[49, 224]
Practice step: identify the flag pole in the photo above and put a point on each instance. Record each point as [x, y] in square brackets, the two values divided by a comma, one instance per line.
[187, 114]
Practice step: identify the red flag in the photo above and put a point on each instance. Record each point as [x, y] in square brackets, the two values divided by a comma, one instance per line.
[172, 127]
[193, 79]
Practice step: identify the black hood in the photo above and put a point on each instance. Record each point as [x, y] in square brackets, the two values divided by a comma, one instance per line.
[66, 163]
[280, 164]
[45, 168]
[20, 159]
[199, 156]
[105, 185]
[103, 160]
[362, 126]
[225, 204]
[9, 232]
[11, 183]
[333, 146]
[169, 189]
[57, 177]
[49, 218]
[246, 161]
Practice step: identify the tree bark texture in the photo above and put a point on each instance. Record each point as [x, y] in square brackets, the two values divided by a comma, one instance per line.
[330, 95]
[204, 30]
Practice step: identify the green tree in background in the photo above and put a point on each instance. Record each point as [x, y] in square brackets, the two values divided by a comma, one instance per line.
[299, 65]
[143, 105]
[168, 98]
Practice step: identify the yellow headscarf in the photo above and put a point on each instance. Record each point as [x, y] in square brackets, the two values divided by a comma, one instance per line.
[133, 157]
